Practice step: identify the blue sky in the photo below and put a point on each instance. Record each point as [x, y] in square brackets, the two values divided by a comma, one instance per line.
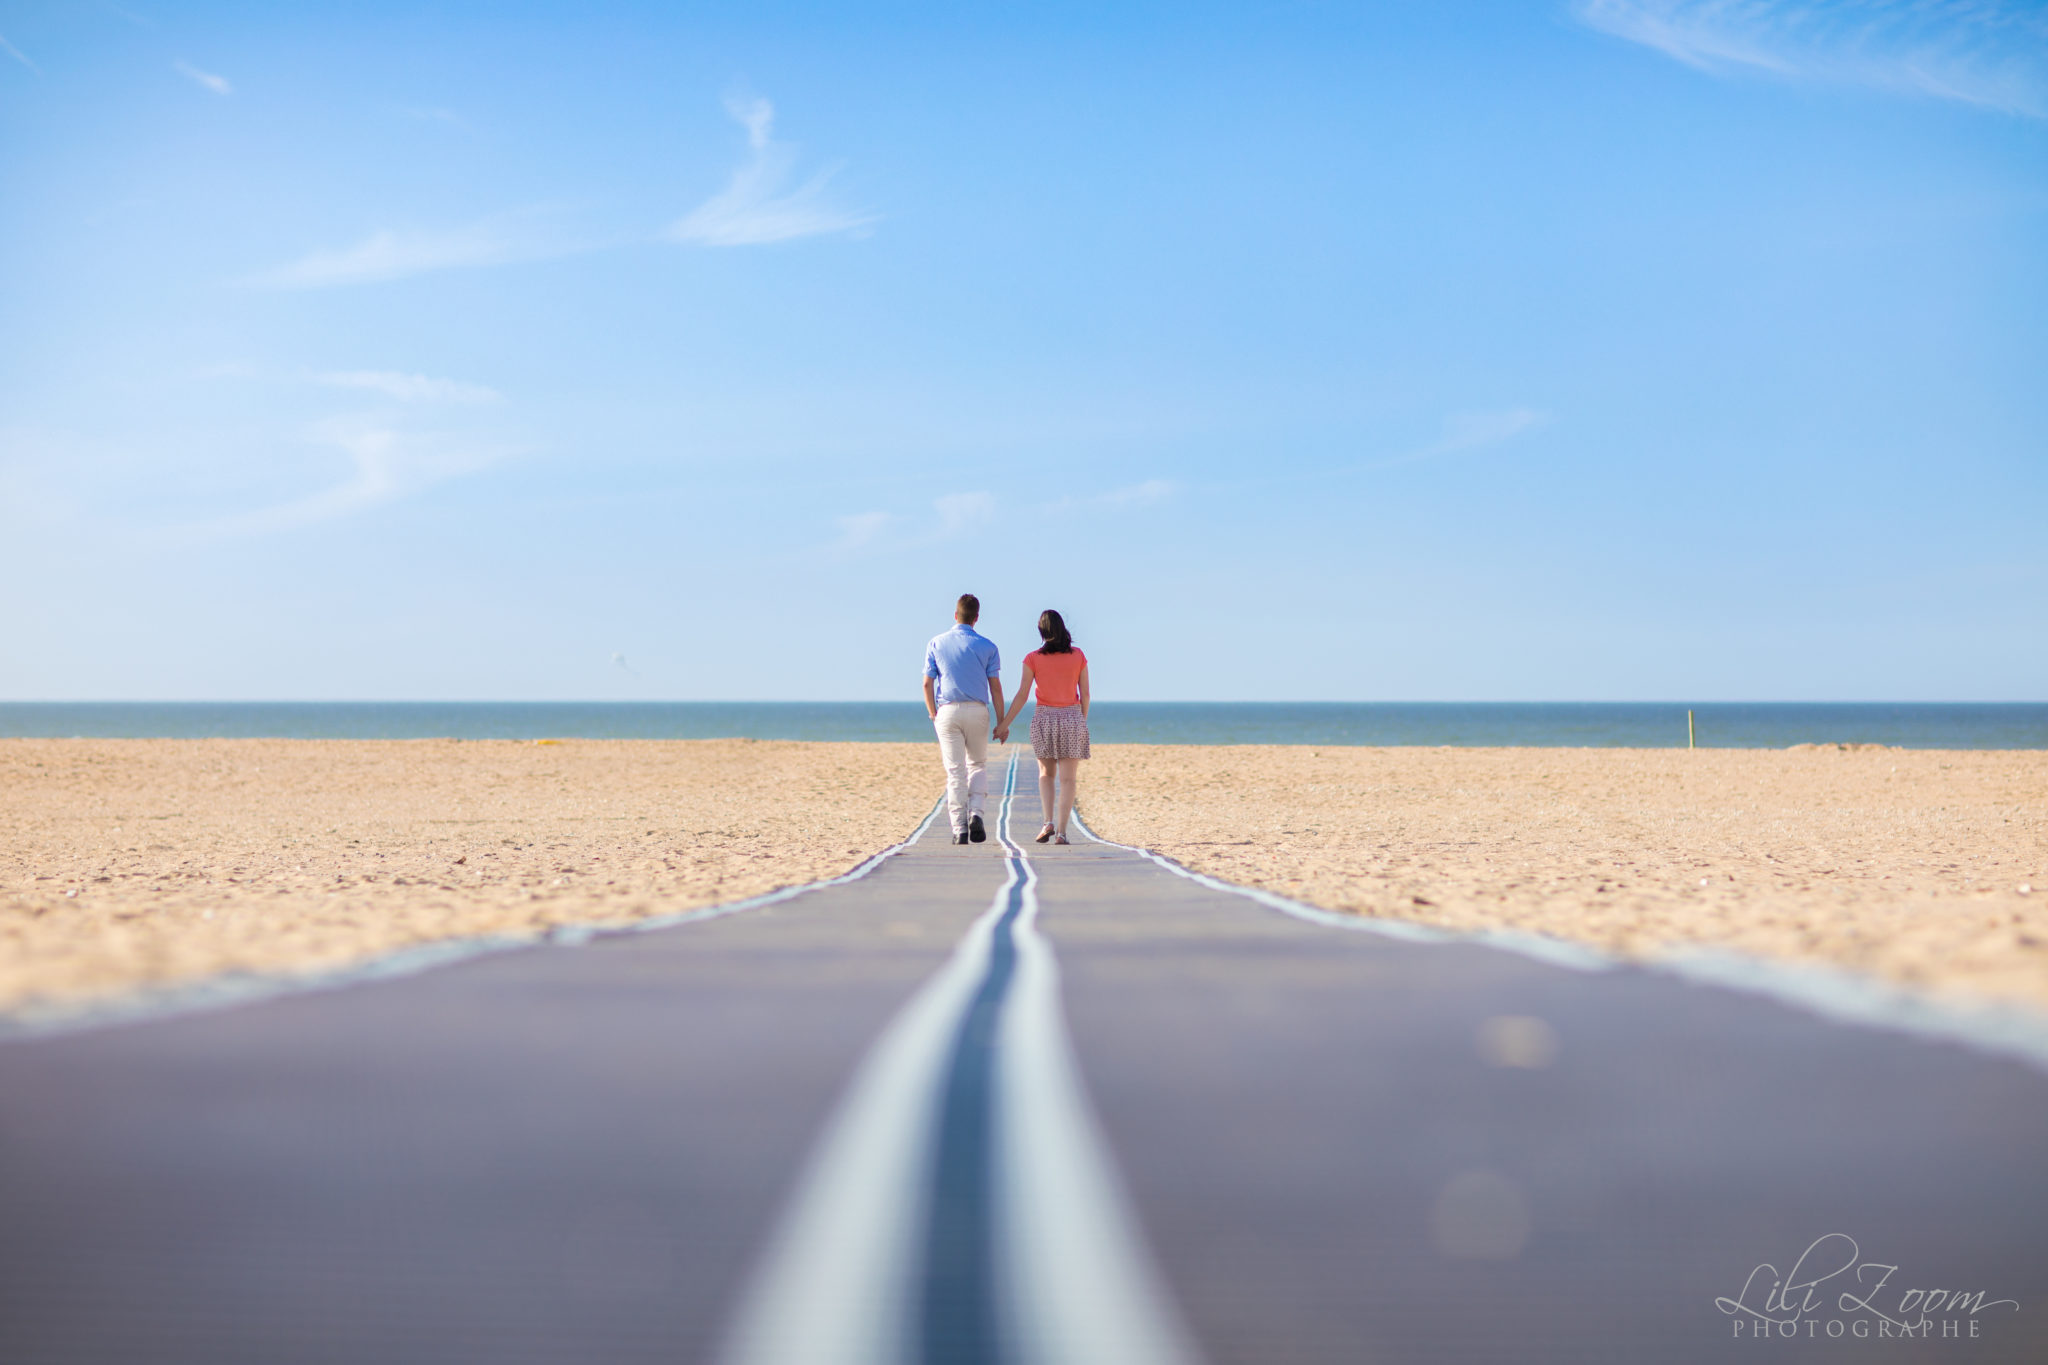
[1623, 349]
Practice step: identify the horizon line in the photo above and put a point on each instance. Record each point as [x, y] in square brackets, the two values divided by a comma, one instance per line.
[912, 701]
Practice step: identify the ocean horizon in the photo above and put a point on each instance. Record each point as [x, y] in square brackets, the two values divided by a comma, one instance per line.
[1737, 725]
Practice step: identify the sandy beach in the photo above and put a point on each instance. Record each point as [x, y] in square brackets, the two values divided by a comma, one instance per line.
[1905, 864]
[130, 863]
[127, 863]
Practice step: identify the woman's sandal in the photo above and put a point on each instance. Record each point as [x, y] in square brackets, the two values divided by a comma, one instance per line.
[1059, 838]
[1044, 834]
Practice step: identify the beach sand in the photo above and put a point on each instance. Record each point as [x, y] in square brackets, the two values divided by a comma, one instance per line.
[129, 863]
[1904, 864]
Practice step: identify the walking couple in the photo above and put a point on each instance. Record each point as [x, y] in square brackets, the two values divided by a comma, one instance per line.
[963, 689]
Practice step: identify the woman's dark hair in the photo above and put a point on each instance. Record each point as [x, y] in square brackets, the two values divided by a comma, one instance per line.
[1053, 631]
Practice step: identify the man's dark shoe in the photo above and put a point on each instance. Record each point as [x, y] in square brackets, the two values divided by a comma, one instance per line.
[961, 837]
[976, 831]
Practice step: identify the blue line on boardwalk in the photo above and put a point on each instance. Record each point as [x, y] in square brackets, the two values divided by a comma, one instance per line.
[958, 1317]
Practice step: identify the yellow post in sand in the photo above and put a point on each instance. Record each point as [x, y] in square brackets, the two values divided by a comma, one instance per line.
[1688, 730]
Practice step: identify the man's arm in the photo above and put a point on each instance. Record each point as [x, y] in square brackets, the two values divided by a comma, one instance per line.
[995, 709]
[931, 698]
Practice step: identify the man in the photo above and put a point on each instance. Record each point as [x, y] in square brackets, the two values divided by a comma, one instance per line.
[963, 687]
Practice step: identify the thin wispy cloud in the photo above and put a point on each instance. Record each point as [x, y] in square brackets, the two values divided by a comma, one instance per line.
[391, 255]
[409, 388]
[1460, 433]
[387, 464]
[1990, 53]
[217, 84]
[1146, 494]
[11, 50]
[962, 513]
[762, 202]
[1467, 431]
[956, 516]
[862, 528]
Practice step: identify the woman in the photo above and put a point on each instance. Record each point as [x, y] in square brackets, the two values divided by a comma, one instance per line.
[1059, 727]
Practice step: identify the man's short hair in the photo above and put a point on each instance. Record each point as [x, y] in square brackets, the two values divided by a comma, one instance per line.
[968, 609]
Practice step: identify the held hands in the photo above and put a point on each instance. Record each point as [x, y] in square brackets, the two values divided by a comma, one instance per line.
[1002, 734]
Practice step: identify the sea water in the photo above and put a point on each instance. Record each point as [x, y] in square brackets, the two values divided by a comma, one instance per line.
[1651, 725]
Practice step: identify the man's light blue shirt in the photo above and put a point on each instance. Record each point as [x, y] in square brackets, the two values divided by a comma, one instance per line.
[963, 662]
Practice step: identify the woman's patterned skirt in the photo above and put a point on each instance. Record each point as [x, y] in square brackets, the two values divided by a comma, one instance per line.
[1059, 732]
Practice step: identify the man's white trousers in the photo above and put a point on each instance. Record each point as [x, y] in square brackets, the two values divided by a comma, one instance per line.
[963, 745]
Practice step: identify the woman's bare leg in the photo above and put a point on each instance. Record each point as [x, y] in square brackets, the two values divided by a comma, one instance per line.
[1045, 772]
[1070, 771]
